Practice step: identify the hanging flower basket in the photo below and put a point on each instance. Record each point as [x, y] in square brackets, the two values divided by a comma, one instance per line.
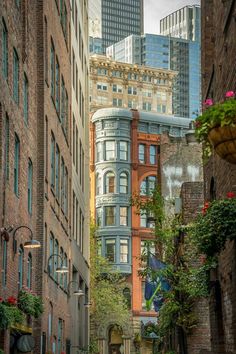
[216, 128]
[223, 140]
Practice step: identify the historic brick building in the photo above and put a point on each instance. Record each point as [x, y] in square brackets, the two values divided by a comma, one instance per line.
[219, 76]
[125, 159]
[44, 165]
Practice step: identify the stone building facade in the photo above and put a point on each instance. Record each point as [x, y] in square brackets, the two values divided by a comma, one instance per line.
[44, 165]
[125, 159]
[123, 85]
[219, 76]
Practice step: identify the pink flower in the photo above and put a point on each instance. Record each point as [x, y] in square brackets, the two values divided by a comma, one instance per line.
[229, 94]
[230, 195]
[208, 102]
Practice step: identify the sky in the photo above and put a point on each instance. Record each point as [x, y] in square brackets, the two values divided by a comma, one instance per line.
[154, 10]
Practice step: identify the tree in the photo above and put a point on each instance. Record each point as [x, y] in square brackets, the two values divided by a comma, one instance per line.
[106, 286]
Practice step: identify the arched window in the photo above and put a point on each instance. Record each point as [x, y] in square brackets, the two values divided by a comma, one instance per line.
[56, 251]
[98, 184]
[20, 267]
[29, 271]
[148, 185]
[65, 263]
[123, 183]
[110, 182]
[127, 296]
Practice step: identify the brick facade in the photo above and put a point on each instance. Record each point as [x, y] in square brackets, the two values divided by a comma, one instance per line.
[219, 76]
[33, 28]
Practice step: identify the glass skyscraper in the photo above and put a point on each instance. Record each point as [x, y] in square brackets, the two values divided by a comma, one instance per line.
[115, 19]
[183, 23]
[167, 52]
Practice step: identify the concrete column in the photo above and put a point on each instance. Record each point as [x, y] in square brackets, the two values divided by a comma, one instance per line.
[126, 341]
[101, 345]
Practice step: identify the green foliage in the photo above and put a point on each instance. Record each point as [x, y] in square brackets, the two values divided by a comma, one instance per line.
[106, 288]
[215, 226]
[30, 304]
[187, 278]
[9, 315]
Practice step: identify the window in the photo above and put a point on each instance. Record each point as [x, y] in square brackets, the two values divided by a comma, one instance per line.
[61, 260]
[65, 275]
[20, 267]
[30, 186]
[63, 12]
[60, 336]
[29, 271]
[4, 263]
[132, 90]
[7, 142]
[110, 182]
[52, 161]
[146, 220]
[51, 252]
[81, 230]
[124, 251]
[101, 86]
[110, 150]
[147, 106]
[15, 76]
[66, 192]
[123, 183]
[77, 151]
[4, 50]
[57, 101]
[123, 216]
[127, 296]
[56, 259]
[57, 173]
[148, 185]
[117, 88]
[99, 216]
[153, 154]
[16, 165]
[110, 250]
[62, 183]
[52, 70]
[123, 150]
[25, 99]
[141, 153]
[98, 184]
[99, 152]
[110, 215]
[117, 102]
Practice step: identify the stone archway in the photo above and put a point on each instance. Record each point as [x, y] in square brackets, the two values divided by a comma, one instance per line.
[105, 341]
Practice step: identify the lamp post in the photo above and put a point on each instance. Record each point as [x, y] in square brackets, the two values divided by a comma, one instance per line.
[32, 243]
[77, 292]
[62, 269]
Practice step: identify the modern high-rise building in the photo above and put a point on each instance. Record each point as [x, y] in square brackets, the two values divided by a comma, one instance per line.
[43, 172]
[116, 84]
[180, 55]
[113, 20]
[184, 23]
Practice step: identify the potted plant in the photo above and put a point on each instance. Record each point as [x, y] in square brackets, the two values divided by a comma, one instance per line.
[30, 303]
[216, 127]
[9, 313]
[215, 225]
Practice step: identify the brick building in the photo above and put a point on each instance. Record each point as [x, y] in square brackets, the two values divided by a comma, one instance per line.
[126, 158]
[44, 165]
[219, 76]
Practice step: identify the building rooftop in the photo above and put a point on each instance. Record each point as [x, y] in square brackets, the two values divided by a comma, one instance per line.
[164, 119]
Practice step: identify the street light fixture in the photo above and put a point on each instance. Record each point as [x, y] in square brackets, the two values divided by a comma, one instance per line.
[77, 292]
[62, 269]
[28, 244]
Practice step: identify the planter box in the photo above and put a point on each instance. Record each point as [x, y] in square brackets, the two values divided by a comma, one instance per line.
[223, 140]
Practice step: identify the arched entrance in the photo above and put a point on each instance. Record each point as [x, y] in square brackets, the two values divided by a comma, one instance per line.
[115, 340]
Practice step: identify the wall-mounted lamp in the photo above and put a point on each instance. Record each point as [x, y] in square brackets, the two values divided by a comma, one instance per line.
[62, 269]
[77, 292]
[5, 232]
